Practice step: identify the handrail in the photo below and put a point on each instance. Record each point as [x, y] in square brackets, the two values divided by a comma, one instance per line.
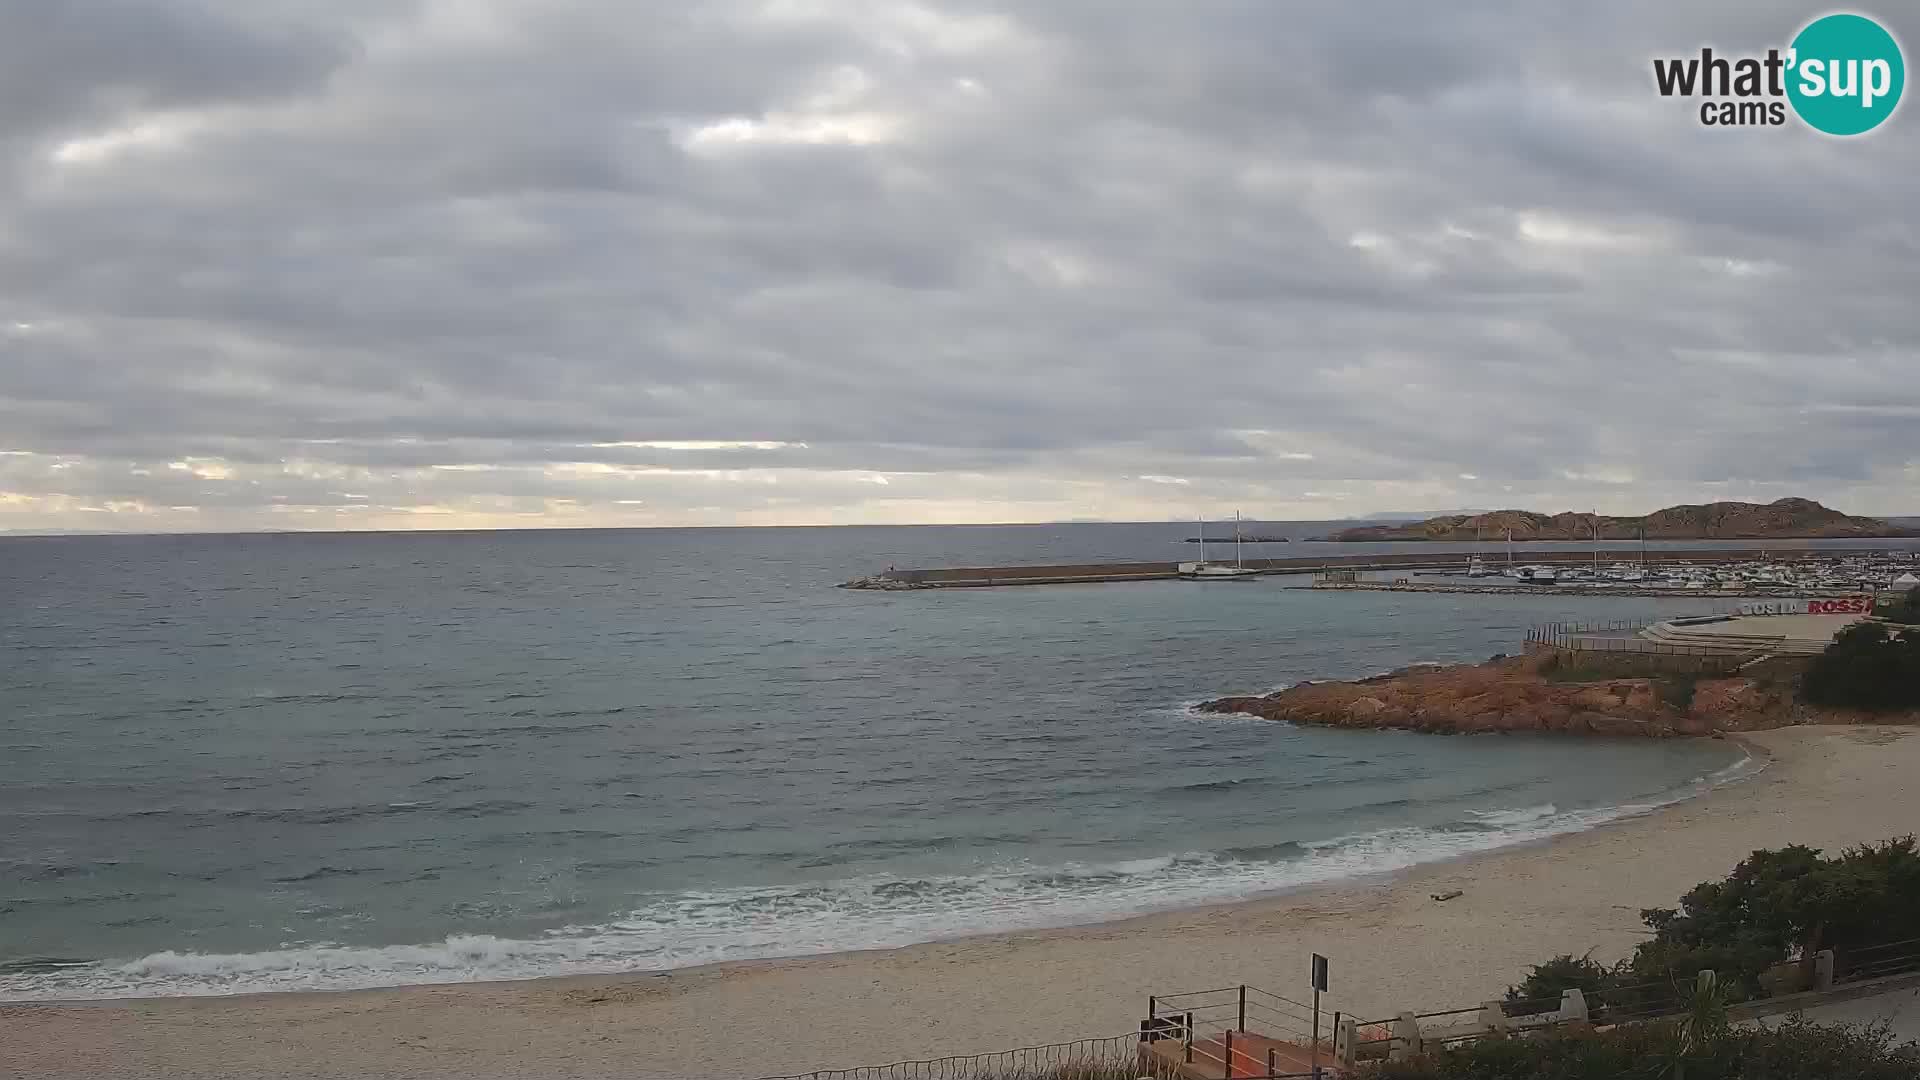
[1197, 993]
[1278, 997]
[1553, 1000]
[1269, 1008]
[1448, 1012]
[1163, 1006]
[1237, 1055]
[1908, 942]
[1112, 1048]
[1289, 1009]
[1897, 963]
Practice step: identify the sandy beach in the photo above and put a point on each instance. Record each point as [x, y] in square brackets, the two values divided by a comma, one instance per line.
[1392, 947]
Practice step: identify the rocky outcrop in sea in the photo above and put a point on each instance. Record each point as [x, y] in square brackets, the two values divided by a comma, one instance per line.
[1514, 694]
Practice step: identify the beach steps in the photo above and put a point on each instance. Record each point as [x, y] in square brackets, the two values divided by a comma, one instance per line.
[1775, 635]
[1247, 1057]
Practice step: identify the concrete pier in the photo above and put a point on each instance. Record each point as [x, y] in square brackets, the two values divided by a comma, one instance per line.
[1080, 573]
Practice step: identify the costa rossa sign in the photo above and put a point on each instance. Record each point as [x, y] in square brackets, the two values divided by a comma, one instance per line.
[1854, 604]
[1842, 605]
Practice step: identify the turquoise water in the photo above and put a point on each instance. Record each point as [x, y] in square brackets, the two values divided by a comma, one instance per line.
[274, 762]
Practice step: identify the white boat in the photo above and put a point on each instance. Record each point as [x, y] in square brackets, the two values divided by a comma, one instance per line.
[1476, 567]
[1208, 571]
[1544, 575]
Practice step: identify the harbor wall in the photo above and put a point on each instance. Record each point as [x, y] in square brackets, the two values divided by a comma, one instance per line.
[1068, 573]
[1573, 660]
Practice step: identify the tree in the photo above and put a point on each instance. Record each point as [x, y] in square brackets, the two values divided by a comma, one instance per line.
[1784, 903]
[1868, 666]
[1904, 610]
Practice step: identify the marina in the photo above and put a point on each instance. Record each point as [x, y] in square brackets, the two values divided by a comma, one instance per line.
[1665, 572]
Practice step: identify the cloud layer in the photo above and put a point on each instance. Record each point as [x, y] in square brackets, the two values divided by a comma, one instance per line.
[347, 264]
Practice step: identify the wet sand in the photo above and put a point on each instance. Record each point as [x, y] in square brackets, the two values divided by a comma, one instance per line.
[1392, 948]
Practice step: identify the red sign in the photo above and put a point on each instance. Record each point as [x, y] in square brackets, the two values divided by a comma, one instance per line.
[1842, 605]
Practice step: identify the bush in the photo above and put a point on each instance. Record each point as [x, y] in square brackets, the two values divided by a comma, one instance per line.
[1905, 610]
[1774, 907]
[1627, 1051]
[1678, 690]
[1796, 1050]
[1540, 991]
[1780, 904]
[1867, 667]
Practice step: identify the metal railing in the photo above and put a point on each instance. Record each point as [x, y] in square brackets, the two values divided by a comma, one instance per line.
[1632, 1004]
[1575, 637]
[1228, 1029]
[1877, 961]
[1223, 1030]
[1115, 1057]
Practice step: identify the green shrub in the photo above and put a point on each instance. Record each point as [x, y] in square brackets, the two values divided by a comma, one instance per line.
[1678, 690]
[1780, 904]
[1867, 667]
[1632, 1050]
[1796, 1050]
[1775, 906]
[1540, 991]
[1905, 610]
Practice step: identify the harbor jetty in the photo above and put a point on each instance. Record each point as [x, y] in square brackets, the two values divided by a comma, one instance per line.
[965, 577]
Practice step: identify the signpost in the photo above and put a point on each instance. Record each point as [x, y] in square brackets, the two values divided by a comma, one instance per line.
[1319, 986]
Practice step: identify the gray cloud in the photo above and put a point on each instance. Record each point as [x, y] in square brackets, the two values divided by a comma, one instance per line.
[357, 264]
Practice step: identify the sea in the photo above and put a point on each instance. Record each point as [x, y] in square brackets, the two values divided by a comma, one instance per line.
[326, 761]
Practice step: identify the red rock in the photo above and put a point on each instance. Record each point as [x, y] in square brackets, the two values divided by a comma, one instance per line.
[1509, 694]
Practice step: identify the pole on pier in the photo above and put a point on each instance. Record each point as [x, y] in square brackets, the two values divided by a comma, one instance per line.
[1243, 1006]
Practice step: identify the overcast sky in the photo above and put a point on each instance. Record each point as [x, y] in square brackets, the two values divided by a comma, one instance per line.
[453, 263]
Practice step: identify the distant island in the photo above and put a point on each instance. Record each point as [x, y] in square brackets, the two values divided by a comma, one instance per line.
[1418, 515]
[1780, 520]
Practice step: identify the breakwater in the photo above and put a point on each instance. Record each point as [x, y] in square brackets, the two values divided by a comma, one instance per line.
[961, 577]
[1585, 589]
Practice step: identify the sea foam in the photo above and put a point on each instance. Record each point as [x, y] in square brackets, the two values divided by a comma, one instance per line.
[879, 911]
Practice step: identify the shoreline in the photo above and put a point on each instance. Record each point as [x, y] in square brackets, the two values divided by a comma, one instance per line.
[1392, 948]
[1543, 829]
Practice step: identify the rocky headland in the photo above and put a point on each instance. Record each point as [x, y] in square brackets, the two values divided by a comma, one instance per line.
[1531, 693]
[1781, 519]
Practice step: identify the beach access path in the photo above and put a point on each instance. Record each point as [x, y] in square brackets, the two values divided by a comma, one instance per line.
[1392, 948]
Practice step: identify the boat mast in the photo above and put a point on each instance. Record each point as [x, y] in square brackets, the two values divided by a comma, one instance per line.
[1236, 540]
[1203, 539]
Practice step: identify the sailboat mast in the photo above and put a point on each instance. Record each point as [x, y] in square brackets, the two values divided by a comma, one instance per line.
[1236, 539]
[1202, 519]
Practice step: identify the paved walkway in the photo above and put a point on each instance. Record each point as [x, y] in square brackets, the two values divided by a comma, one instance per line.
[1898, 1009]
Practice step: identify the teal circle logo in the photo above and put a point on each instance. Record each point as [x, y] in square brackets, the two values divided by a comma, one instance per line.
[1845, 74]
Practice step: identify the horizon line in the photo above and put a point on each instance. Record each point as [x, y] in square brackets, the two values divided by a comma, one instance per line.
[56, 532]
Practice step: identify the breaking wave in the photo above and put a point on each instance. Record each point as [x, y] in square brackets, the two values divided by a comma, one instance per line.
[677, 930]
